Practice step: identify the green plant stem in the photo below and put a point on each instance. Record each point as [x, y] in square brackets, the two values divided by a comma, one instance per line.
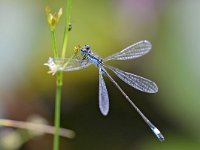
[66, 32]
[55, 49]
[59, 78]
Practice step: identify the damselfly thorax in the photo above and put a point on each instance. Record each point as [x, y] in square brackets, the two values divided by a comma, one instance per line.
[90, 56]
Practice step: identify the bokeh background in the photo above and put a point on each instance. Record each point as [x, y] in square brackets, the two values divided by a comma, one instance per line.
[108, 26]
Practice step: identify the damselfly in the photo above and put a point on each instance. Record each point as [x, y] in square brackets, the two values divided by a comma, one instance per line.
[88, 58]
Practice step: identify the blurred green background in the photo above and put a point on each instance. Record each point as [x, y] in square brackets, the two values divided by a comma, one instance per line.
[108, 26]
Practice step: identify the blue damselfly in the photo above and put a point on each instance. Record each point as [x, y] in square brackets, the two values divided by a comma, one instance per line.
[88, 57]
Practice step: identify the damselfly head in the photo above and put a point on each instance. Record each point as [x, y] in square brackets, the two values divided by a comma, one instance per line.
[85, 50]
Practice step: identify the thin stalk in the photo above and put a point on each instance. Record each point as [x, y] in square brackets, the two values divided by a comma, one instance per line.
[59, 79]
[55, 49]
[66, 32]
[58, 96]
[41, 128]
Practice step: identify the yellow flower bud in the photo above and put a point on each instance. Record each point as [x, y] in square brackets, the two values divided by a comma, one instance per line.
[53, 19]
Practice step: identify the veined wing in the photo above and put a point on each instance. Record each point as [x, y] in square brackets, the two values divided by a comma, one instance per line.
[146, 120]
[103, 95]
[69, 64]
[135, 81]
[136, 50]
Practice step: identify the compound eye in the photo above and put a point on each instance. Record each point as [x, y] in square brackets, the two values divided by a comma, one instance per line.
[87, 47]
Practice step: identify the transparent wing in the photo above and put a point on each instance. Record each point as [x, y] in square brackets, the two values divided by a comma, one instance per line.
[68, 64]
[135, 81]
[103, 95]
[136, 50]
[146, 120]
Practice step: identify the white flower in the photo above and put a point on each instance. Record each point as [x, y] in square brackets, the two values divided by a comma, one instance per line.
[52, 66]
